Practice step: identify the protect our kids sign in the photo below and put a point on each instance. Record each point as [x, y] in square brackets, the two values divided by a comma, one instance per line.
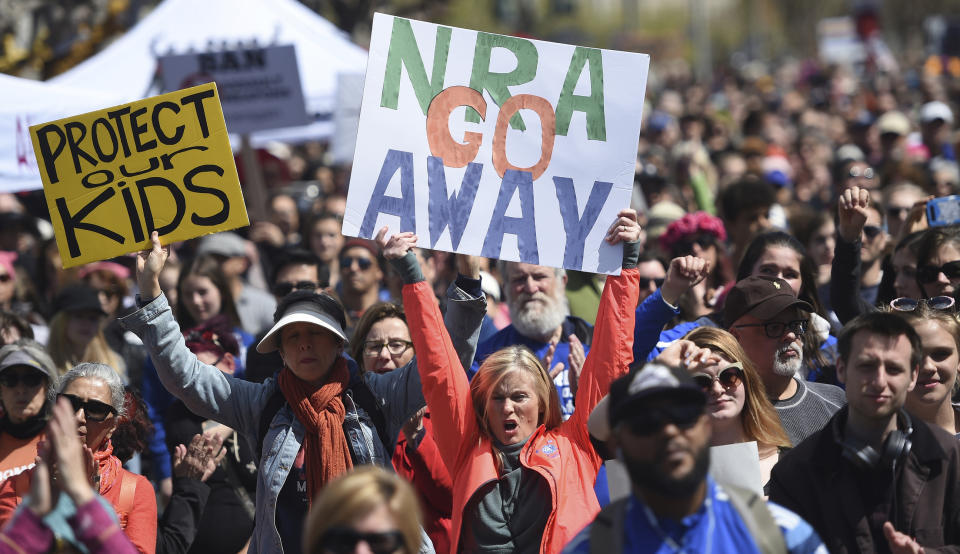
[496, 145]
[111, 177]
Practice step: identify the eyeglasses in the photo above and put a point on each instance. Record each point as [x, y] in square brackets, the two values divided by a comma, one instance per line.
[651, 420]
[11, 379]
[93, 409]
[904, 304]
[930, 273]
[341, 540]
[363, 263]
[730, 378]
[645, 282]
[856, 172]
[871, 231]
[895, 212]
[776, 329]
[396, 347]
[283, 289]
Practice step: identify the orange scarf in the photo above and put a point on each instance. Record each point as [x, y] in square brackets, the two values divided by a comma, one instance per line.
[108, 466]
[321, 412]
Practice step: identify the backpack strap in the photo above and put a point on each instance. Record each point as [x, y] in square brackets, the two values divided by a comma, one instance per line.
[128, 490]
[758, 519]
[606, 532]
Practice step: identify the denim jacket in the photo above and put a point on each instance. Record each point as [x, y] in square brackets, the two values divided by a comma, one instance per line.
[209, 393]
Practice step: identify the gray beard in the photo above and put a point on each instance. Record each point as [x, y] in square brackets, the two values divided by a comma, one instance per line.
[539, 323]
[787, 368]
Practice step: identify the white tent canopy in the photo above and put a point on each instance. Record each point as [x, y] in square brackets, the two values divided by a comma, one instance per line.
[23, 103]
[128, 66]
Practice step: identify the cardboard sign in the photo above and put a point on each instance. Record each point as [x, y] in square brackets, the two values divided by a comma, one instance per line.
[737, 464]
[494, 145]
[113, 176]
[259, 87]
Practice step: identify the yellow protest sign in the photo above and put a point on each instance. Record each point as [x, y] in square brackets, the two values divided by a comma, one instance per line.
[113, 176]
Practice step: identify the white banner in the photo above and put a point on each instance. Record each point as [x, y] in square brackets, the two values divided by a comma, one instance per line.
[496, 145]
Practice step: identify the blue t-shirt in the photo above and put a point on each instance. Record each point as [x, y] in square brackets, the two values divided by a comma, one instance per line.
[715, 528]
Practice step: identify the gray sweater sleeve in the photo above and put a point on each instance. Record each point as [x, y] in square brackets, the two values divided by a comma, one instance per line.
[400, 391]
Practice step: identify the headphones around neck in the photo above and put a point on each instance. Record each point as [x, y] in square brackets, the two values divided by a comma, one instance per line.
[894, 449]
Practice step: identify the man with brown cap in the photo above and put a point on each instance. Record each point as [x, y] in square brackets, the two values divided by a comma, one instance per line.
[769, 322]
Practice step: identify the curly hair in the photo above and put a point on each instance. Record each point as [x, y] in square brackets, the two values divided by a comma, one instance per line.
[690, 225]
[133, 428]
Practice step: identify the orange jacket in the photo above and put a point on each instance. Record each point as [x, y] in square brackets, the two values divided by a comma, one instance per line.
[563, 456]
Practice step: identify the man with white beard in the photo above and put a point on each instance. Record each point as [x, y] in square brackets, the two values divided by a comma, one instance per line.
[768, 321]
[536, 296]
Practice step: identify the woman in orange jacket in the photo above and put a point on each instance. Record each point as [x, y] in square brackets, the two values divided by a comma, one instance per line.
[522, 478]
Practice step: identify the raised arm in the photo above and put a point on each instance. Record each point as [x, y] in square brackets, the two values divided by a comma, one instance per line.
[444, 382]
[612, 349]
[203, 388]
[846, 269]
[658, 308]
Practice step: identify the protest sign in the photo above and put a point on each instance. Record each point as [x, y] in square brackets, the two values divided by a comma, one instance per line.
[111, 177]
[494, 145]
[259, 87]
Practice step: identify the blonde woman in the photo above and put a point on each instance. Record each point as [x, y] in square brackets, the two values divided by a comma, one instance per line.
[936, 323]
[522, 477]
[367, 505]
[76, 335]
[736, 401]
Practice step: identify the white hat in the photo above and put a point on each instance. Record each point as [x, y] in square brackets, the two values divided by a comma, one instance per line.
[489, 285]
[932, 111]
[306, 312]
[893, 123]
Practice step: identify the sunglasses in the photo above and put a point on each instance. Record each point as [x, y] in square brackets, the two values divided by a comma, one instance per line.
[283, 289]
[856, 172]
[341, 540]
[651, 420]
[904, 304]
[895, 212]
[776, 329]
[686, 245]
[94, 410]
[871, 231]
[11, 379]
[930, 273]
[363, 263]
[730, 378]
[5, 278]
[645, 282]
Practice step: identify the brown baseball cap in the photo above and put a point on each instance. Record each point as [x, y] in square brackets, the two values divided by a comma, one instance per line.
[761, 297]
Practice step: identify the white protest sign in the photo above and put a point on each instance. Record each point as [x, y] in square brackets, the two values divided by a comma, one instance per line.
[495, 145]
[346, 117]
[259, 87]
[737, 464]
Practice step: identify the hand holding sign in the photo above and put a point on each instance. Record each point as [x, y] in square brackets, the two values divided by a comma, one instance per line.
[149, 264]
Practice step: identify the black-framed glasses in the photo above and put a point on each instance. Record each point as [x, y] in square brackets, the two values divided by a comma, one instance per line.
[871, 231]
[730, 378]
[283, 289]
[904, 304]
[929, 273]
[363, 263]
[396, 347]
[857, 172]
[30, 378]
[651, 420]
[776, 329]
[342, 540]
[94, 410]
[645, 282]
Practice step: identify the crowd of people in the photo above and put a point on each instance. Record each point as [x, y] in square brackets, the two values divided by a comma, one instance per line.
[284, 388]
